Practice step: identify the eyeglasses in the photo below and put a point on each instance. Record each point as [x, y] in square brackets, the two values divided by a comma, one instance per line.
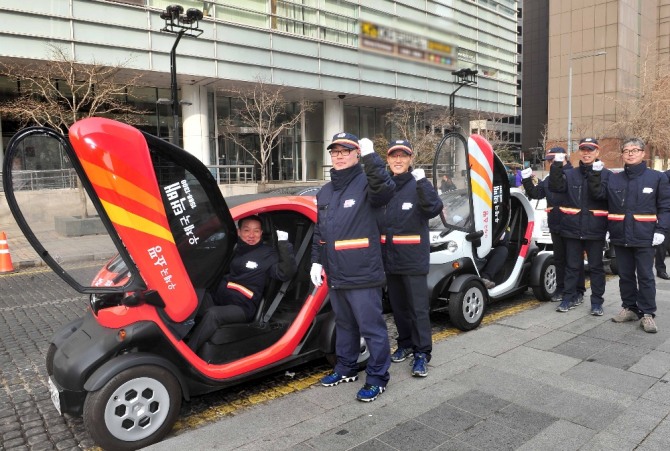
[336, 152]
[399, 156]
[634, 151]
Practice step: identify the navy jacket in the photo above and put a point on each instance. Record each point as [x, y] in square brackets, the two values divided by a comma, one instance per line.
[404, 225]
[249, 270]
[639, 204]
[584, 216]
[346, 237]
[554, 200]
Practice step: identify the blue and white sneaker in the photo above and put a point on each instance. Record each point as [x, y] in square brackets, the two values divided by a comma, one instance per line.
[597, 310]
[335, 378]
[369, 392]
[419, 365]
[580, 299]
[564, 306]
[400, 354]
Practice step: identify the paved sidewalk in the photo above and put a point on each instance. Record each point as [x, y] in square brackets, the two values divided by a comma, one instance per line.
[539, 380]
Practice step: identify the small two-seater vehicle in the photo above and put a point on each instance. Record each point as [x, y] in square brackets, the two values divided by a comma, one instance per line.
[482, 212]
[124, 365]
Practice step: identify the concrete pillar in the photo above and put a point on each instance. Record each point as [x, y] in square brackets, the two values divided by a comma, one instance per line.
[333, 122]
[196, 122]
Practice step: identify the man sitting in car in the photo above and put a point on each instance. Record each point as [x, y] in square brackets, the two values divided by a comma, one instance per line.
[237, 297]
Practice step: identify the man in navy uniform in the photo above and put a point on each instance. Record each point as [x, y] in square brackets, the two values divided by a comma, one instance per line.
[583, 224]
[639, 217]
[347, 246]
[554, 215]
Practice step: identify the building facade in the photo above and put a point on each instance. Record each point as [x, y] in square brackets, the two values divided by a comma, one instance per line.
[352, 59]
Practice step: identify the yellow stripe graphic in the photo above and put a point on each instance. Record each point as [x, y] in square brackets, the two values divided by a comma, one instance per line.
[103, 178]
[125, 218]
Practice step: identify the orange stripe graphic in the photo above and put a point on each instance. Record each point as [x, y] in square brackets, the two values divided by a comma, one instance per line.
[123, 217]
[407, 239]
[240, 288]
[351, 244]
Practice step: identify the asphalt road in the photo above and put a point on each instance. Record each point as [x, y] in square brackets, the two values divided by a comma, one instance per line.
[35, 303]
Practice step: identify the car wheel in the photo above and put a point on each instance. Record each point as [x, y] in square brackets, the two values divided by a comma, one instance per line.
[136, 408]
[466, 308]
[51, 352]
[548, 281]
[362, 360]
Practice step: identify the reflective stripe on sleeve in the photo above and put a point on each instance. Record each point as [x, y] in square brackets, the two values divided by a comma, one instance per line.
[570, 211]
[615, 217]
[599, 212]
[240, 288]
[407, 239]
[645, 218]
[359, 243]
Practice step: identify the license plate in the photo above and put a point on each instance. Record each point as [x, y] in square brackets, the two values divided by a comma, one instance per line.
[55, 396]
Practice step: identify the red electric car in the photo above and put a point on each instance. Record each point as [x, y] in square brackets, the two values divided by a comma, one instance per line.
[125, 366]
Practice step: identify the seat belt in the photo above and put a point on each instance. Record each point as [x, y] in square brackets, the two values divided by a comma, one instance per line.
[282, 290]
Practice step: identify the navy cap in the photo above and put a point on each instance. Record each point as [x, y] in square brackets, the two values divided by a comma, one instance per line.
[400, 144]
[345, 140]
[550, 153]
[589, 143]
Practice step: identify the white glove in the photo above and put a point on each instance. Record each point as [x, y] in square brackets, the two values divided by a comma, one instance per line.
[559, 157]
[282, 236]
[419, 174]
[315, 274]
[658, 239]
[366, 147]
[526, 173]
[598, 166]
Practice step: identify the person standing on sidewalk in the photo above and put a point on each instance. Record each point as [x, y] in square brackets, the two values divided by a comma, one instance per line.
[554, 215]
[406, 251]
[661, 252]
[639, 218]
[347, 246]
[583, 225]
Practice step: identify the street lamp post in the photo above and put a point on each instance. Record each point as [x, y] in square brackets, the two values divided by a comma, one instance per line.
[570, 59]
[464, 77]
[180, 24]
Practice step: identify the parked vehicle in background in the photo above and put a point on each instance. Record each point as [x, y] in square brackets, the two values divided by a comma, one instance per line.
[475, 217]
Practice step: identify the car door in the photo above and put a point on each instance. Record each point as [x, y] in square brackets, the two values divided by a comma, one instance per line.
[153, 203]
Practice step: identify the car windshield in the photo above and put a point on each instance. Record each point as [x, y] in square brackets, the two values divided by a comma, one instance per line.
[456, 210]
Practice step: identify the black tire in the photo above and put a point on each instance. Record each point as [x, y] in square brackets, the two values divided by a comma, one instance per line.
[363, 357]
[134, 409]
[548, 281]
[51, 352]
[467, 307]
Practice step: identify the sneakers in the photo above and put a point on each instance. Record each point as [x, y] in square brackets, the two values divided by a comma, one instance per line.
[335, 378]
[564, 306]
[401, 354]
[648, 324]
[556, 298]
[625, 315]
[580, 299]
[369, 392]
[488, 283]
[597, 310]
[419, 365]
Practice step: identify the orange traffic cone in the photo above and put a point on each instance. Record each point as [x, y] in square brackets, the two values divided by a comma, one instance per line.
[5, 258]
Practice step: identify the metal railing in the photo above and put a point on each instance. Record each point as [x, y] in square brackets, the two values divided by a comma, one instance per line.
[233, 173]
[30, 180]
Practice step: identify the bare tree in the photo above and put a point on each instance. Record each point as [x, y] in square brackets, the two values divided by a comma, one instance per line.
[420, 124]
[644, 111]
[60, 92]
[265, 111]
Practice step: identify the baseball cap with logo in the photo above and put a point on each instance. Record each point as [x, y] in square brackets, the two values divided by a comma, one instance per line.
[552, 152]
[589, 143]
[400, 144]
[345, 140]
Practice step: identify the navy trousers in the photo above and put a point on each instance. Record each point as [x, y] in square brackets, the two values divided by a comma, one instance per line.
[574, 259]
[358, 313]
[411, 311]
[636, 279]
[558, 247]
